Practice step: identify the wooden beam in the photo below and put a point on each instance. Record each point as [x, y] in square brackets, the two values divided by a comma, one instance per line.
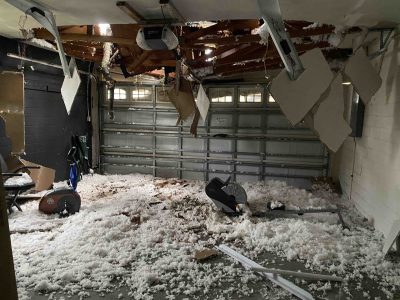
[44, 34]
[257, 55]
[249, 67]
[175, 12]
[138, 61]
[244, 39]
[130, 11]
[157, 63]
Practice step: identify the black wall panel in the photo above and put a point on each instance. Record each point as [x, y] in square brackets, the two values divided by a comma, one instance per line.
[48, 127]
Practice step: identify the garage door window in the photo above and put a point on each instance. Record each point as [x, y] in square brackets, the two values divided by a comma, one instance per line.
[250, 95]
[119, 94]
[221, 95]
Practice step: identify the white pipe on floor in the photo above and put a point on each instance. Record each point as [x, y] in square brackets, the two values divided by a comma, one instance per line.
[313, 276]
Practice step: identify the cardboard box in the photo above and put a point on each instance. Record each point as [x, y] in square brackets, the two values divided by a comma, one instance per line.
[42, 177]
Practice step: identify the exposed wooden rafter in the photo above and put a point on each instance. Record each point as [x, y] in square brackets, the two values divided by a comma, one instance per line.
[231, 47]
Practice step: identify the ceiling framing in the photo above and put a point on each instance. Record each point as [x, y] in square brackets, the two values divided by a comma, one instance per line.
[232, 47]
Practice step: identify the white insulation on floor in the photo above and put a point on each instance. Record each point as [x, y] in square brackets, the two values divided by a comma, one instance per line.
[141, 232]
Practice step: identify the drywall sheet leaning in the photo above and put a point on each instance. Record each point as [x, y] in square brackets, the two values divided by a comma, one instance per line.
[297, 97]
[328, 120]
[363, 76]
[393, 235]
[12, 109]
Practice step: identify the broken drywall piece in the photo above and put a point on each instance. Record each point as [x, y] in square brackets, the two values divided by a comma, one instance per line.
[328, 120]
[363, 76]
[393, 235]
[297, 97]
[183, 100]
[70, 86]
[202, 255]
[12, 109]
[202, 102]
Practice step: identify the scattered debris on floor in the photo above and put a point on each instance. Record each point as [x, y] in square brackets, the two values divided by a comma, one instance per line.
[202, 255]
[138, 232]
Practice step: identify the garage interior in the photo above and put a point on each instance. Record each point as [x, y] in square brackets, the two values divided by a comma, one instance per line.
[181, 149]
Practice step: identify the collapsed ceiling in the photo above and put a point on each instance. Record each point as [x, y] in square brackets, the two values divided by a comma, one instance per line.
[221, 49]
[206, 49]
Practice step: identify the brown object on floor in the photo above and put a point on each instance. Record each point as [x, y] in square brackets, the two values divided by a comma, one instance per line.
[42, 177]
[202, 255]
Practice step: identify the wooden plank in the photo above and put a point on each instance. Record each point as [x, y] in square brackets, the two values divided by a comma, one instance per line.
[130, 11]
[235, 40]
[83, 37]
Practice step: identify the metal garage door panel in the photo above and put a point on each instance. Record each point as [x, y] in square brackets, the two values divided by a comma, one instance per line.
[166, 118]
[221, 120]
[193, 175]
[193, 147]
[278, 147]
[245, 157]
[219, 167]
[248, 146]
[246, 178]
[249, 128]
[119, 140]
[142, 141]
[250, 120]
[166, 168]
[308, 148]
[110, 169]
[219, 145]
[166, 143]
[132, 117]
[189, 173]
[278, 120]
[272, 171]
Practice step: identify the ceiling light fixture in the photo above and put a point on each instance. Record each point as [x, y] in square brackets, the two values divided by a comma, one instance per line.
[346, 83]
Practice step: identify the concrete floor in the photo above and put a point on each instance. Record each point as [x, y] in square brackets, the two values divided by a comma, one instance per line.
[262, 288]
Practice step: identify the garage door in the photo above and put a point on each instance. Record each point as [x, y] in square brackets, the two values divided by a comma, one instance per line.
[245, 136]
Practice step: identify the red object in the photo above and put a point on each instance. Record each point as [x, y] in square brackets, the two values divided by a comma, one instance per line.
[61, 201]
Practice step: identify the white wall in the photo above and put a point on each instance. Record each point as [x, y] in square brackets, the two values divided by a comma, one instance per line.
[374, 159]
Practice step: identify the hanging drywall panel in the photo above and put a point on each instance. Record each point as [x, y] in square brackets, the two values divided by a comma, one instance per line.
[12, 109]
[363, 76]
[70, 86]
[202, 102]
[297, 97]
[328, 120]
[183, 100]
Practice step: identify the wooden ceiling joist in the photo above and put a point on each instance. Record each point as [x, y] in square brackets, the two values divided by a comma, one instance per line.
[233, 48]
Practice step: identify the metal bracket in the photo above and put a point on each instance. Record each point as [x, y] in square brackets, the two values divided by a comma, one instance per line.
[271, 14]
